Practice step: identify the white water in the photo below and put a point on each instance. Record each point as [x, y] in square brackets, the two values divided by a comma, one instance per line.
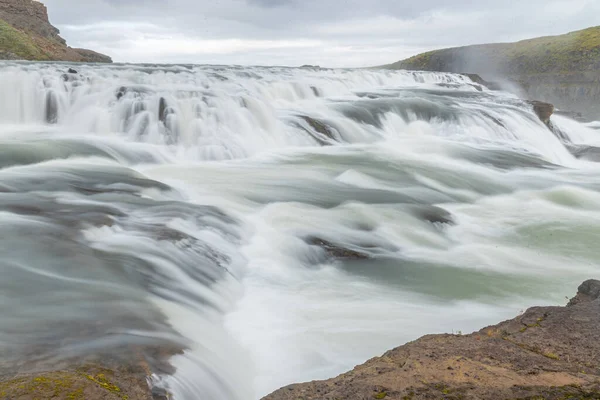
[179, 203]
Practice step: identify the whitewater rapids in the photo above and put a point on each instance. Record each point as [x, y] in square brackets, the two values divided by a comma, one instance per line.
[186, 204]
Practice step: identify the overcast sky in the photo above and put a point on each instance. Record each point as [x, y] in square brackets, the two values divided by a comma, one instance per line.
[330, 33]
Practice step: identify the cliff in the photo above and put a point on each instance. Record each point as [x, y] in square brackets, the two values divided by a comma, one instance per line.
[26, 34]
[547, 353]
[564, 70]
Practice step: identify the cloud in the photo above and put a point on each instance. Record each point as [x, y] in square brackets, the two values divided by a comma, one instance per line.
[295, 32]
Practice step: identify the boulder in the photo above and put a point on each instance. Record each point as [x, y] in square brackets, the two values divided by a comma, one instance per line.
[543, 110]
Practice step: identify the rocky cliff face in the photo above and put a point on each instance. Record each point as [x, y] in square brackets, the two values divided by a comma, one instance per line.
[563, 70]
[29, 16]
[26, 33]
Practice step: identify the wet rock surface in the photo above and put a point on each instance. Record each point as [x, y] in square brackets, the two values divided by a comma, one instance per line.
[543, 110]
[545, 353]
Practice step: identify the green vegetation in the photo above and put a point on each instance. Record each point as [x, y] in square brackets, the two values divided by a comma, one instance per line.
[551, 356]
[61, 385]
[19, 43]
[575, 51]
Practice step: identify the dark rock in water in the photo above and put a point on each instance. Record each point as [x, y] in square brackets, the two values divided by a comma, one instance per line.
[160, 394]
[51, 108]
[543, 110]
[479, 80]
[336, 251]
[321, 128]
[545, 353]
[70, 76]
[121, 92]
[167, 116]
[433, 214]
[162, 110]
[137, 91]
[558, 132]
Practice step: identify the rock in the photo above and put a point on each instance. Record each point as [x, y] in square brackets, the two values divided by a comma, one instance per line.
[433, 214]
[29, 16]
[89, 382]
[91, 56]
[51, 108]
[7, 55]
[543, 110]
[587, 292]
[72, 71]
[160, 394]
[480, 81]
[162, 110]
[336, 251]
[25, 26]
[563, 69]
[325, 134]
[545, 353]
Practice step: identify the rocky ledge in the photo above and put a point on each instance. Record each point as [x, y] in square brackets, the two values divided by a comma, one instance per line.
[546, 353]
[124, 373]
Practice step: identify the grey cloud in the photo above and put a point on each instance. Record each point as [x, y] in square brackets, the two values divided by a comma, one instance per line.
[344, 32]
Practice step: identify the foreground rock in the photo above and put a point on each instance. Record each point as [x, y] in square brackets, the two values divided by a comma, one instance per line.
[122, 374]
[546, 353]
[89, 382]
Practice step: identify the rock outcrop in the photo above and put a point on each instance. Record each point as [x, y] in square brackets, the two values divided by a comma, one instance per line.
[27, 34]
[546, 353]
[563, 70]
[543, 110]
[123, 373]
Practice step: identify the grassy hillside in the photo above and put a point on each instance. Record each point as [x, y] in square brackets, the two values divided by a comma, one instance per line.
[18, 43]
[575, 51]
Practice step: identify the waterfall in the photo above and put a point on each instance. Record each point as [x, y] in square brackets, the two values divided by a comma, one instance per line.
[277, 224]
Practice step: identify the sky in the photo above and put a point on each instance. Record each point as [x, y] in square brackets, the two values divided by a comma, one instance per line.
[329, 33]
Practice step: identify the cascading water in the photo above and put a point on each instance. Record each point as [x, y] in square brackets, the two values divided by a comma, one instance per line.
[279, 224]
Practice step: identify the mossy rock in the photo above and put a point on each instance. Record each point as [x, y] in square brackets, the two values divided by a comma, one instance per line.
[81, 384]
[19, 44]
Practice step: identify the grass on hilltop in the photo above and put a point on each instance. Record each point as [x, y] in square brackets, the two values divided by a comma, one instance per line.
[575, 51]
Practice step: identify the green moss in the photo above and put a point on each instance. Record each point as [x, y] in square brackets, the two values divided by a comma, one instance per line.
[55, 386]
[381, 395]
[102, 380]
[551, 356]
[19, 43]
